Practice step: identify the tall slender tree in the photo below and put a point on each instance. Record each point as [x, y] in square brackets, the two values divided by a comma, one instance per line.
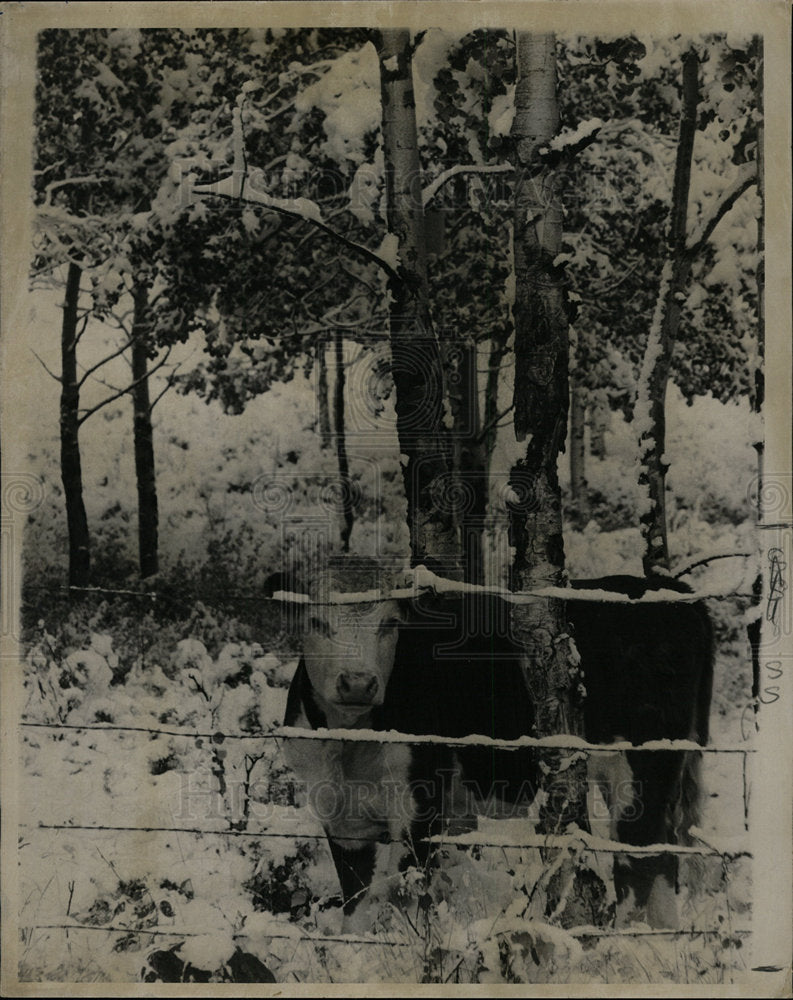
[416, 358]
[651, 406]
[144, 436]
[71, 465]
[682, 250]
[345, 483]
[541, 401]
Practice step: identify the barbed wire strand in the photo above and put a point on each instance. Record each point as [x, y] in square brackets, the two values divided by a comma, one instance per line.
[509, 597]
[302, 938]
[391, 736]
[538, 842]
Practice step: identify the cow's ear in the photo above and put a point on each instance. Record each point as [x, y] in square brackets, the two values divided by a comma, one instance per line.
[275, 582]
[289, 582]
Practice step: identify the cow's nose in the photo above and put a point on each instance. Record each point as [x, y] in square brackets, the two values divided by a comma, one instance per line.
[359, 687]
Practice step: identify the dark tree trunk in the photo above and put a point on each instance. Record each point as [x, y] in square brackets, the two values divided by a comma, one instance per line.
[489, 432]
[498, 348]
[541, 402]
[341, 446]
[599, 416]
[651, 407]
[754, 629]
[416, 359]
[322, 395]
[578, 483]
[758, 395]
[148, 516]
[71, 468]
[469, 455]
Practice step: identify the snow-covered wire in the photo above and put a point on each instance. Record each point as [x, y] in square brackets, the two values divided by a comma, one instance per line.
[595, 845]
[561, 742]
[298, 937]
[449, 587]
[301, 936]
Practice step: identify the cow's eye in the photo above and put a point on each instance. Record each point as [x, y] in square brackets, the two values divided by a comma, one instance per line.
[390, 623]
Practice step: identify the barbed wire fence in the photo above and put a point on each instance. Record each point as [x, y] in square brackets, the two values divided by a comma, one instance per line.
[727, 855]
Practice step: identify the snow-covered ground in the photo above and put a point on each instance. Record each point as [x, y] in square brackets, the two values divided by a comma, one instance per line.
[166, 823]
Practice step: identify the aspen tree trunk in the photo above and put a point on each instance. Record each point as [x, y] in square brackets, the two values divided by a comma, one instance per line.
[541, 402]
[71, 467]
[651, 403]
[341, 445]
[416, 360]
[145, 473]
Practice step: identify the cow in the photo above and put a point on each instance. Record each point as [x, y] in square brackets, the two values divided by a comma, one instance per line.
[447, 665]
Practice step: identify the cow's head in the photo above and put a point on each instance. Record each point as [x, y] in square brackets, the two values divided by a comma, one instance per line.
[348, 648]
[349, 655]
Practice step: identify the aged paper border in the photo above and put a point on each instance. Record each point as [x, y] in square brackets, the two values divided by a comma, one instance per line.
[772, 803]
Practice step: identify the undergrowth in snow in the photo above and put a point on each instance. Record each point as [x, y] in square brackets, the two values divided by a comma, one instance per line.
[189, 847]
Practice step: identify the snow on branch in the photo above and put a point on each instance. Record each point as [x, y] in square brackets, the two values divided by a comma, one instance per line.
[746, 177]
[54, 185]
[432, 189]
[241, 185]
[233, 186]
[571, 141]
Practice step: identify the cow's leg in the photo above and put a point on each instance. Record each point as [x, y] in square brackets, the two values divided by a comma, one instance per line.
[355, 868]
[636, 790]
[652, 879]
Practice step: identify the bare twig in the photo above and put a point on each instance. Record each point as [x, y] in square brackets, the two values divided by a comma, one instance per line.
[46, 369]
[89, 371]
[745, 180]
[495, 422]
[110, 399]
[703, 562]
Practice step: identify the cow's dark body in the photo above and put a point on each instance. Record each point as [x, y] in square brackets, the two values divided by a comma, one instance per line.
[647, 671]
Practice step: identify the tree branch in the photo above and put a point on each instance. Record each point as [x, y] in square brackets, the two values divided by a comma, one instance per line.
[357, 277]
[303, 209]
[169, 384]
[85, 317]
[122, 392]
[89, 371]
[106, 384]
[119, 322]
[54, 185]
[492, 424]
[742, 183]
[46, 369]
[432, 189]
[46, 170]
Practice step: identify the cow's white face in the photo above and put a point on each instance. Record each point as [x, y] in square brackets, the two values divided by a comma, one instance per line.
[349, 654]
